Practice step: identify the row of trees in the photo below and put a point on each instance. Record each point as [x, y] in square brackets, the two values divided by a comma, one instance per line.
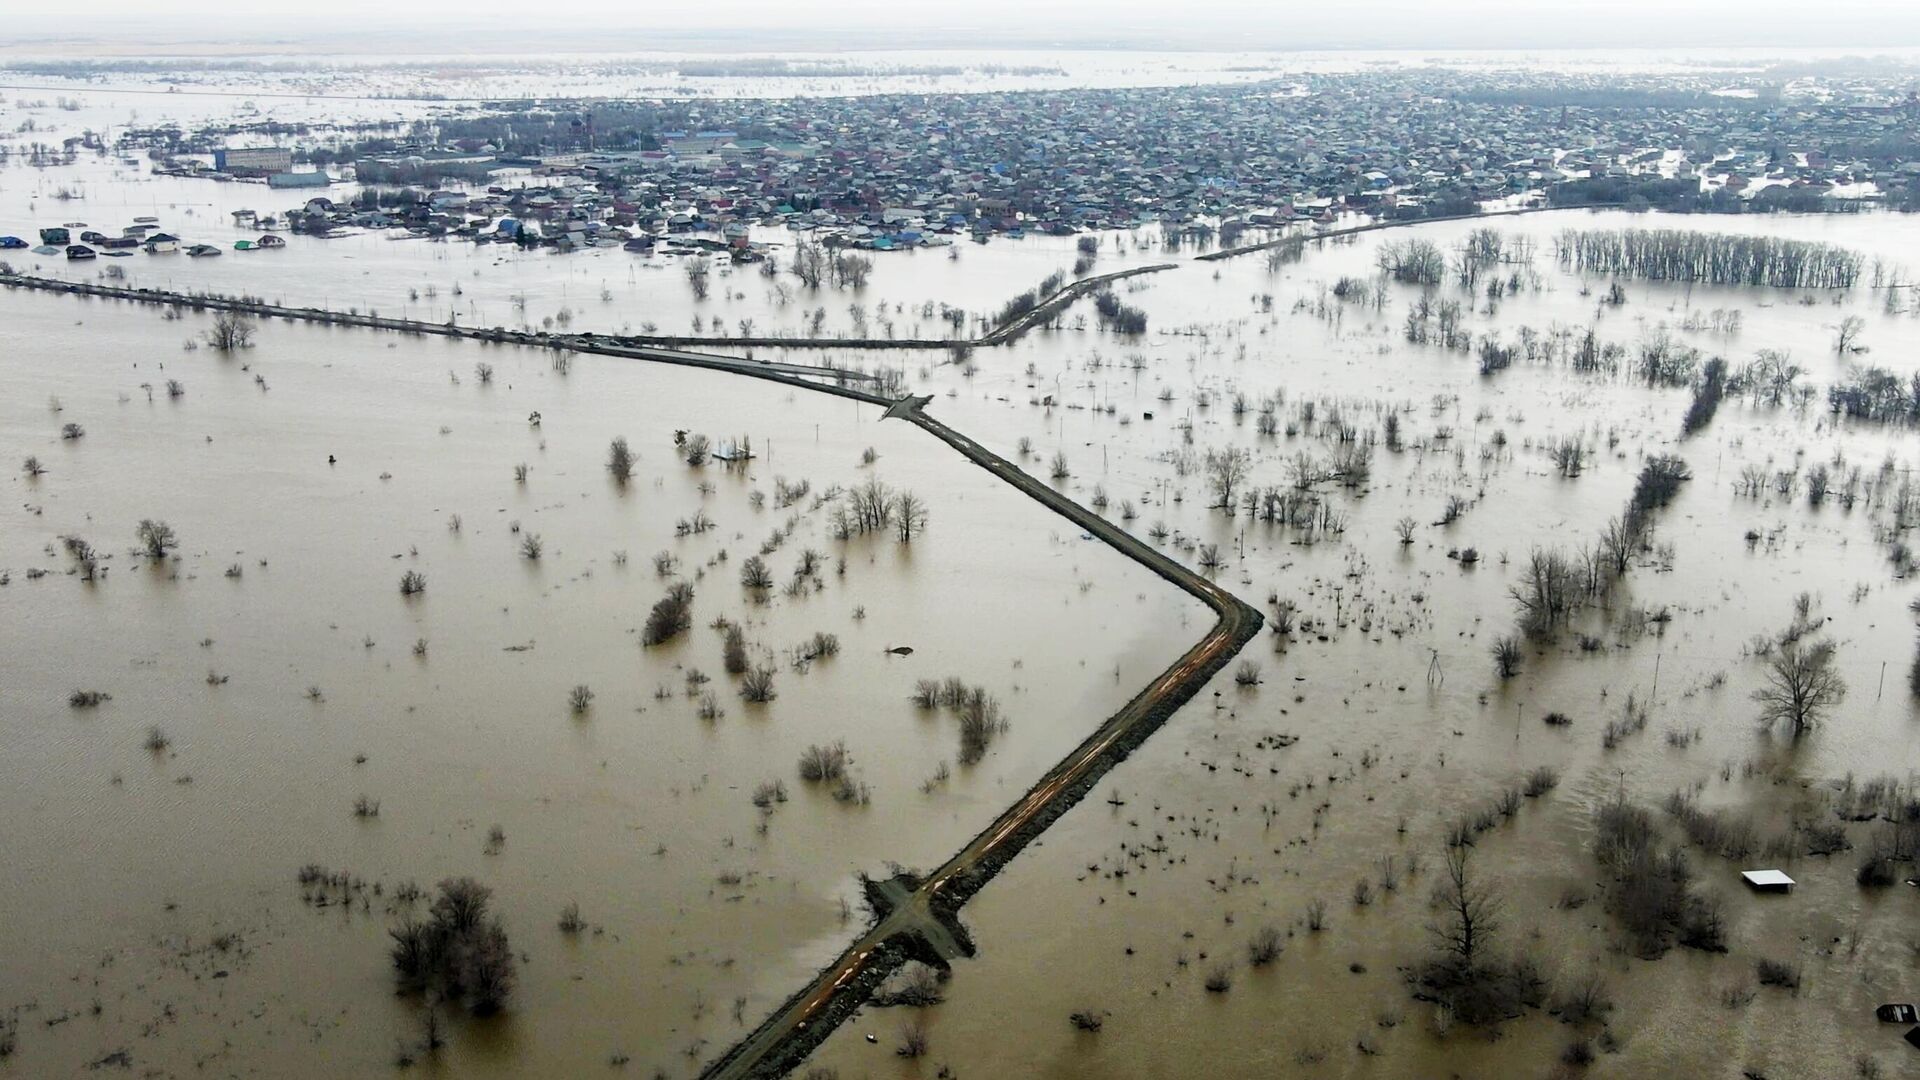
[1709, 258]
[815, 265]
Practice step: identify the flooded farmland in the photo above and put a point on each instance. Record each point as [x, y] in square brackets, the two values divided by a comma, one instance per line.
[397, 622]
[277, 656]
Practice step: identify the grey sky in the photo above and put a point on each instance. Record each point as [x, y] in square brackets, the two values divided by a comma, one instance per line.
[1866, 24]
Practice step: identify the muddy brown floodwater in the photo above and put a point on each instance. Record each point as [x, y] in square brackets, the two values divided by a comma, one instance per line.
[1381, 722]
[153, 907]
[151, 904]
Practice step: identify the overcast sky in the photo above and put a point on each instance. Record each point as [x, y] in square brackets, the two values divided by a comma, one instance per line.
[1866, 24]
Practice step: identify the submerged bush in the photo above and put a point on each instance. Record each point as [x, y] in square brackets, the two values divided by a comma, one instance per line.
[459, 952]
[671, 616]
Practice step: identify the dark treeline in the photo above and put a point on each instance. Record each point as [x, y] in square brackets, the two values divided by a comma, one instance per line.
[1706, 397]
[1708, 258]
[1878, 395]
[1600, 97]
[1685, 197]
[1120, 317]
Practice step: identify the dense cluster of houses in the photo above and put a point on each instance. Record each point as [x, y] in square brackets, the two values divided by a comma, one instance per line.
[912, 170]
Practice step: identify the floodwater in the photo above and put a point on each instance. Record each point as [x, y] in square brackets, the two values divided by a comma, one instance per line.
[1395, 723]
[638, 810]
[1401, 723]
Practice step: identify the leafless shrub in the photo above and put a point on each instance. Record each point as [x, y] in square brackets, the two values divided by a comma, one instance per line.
[980, 721]
[1782, 973]
[579, 699]
[913, 1040]
[823, 763]
[88, 699]
[412, 583]
[1265, 947]
[1087, 1019]
[1506, 656]
[768, 793]
[696, 450]
[1540, 781]
[1316, 915]
[754, 573]
[757, 685]
[1583, 1002]
[733, 650]
[672, 614]
[620, 459]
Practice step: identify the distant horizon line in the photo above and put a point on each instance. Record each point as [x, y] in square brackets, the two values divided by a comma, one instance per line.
[492, 40]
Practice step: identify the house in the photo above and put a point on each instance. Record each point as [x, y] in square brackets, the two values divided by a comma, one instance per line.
[79, 251]
[162, 244]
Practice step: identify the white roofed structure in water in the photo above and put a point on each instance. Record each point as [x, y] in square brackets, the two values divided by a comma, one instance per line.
[1767, 880]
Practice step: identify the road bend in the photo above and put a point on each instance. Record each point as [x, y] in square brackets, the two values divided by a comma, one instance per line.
[922, 920]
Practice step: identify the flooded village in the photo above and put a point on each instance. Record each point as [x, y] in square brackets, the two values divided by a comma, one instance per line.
[1036, 564]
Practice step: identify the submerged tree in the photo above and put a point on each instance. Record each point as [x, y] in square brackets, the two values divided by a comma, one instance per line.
[1226, 471]
[231, 330]
[156, 537]
[1802, 686]
[620, 459]
[459, 951]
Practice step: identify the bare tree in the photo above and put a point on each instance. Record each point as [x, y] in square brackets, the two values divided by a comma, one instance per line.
[809, 263]
[1802, 685]
[156, 537]
[620, 459]
[1226, 471]
[697, 277]
[1617, 545]
[1469, 914]
[909, 516]
[754, 573]
[231, 330]
[84, 556]
[1506, 656]
[1846, 339]
[851, 270]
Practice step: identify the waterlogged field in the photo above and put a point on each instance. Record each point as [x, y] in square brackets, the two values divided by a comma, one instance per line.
[1419, 470]
[270, 698]
[1258, 889]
